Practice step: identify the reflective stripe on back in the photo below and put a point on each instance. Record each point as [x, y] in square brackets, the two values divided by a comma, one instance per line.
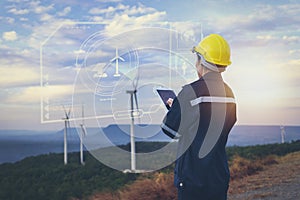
[212, 99]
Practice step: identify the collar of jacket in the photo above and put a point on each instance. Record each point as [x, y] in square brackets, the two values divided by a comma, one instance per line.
[212, 76]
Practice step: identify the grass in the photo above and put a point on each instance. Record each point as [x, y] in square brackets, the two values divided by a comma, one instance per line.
[243, 162]
[45, 176]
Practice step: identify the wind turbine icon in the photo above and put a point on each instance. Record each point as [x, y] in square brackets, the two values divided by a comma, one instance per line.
[117, 58]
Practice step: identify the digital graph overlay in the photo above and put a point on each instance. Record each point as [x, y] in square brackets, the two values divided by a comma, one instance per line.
[115, 77]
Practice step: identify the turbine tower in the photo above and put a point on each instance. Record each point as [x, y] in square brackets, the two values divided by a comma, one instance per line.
[282, 134]
[82, 134]
[133, 113]
[117, 58]
[67, 124]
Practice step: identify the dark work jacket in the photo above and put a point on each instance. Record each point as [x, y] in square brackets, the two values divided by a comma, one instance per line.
[201, 118]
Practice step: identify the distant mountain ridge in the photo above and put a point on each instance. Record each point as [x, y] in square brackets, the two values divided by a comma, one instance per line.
[18, 144]
[114, 132]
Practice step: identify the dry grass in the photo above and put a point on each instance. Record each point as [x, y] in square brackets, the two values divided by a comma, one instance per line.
[241, 167]
[156, 186]
[277, 172]
[105, 196]
[159, 186]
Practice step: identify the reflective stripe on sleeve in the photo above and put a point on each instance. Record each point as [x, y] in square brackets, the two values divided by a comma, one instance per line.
[211, 99]
[174, 133]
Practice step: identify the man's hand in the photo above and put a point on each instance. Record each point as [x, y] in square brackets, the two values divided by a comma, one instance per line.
[170, 102]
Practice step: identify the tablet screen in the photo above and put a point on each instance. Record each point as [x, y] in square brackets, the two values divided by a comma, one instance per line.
[165, 94]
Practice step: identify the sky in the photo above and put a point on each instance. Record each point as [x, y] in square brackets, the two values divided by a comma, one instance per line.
[264, 37]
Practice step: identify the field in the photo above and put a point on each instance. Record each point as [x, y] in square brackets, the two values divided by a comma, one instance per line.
[45, 176]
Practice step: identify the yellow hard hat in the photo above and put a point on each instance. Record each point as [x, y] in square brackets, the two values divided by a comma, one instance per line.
[214, 49]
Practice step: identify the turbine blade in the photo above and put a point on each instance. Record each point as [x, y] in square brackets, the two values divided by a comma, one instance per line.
[137, 104]
[83, 128]
[121, 59]
[69, 112]
[136, 100]
[115, 58]
[65, 111]
[135, 80]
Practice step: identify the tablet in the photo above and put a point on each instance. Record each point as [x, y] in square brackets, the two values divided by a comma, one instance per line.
[165, 94]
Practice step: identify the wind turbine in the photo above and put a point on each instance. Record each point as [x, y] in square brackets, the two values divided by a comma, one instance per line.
[117, 58]
[282, 133]
[83, 133]
[133, 114]
[67, 124]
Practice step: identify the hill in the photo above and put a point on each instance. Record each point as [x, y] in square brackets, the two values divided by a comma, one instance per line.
[45, 176]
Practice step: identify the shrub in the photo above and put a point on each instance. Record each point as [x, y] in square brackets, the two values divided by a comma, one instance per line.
[240, 167]
[158, 187]
[269, 160]
[105, 196]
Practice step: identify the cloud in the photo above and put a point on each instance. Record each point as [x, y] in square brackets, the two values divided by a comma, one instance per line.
[139, 9]
[262, 18]
[38, 9]
[290, 9]
[10, 20]
[123, 22]
[121, 9]
[32, 6]
[291, 39]
[109, 1]
[18, 12]
[265, 37]
[15, 1]
[18, 67]
[96, 19]
[12, 76]
[32, 94]
[23, 19]
[110, 9]
[46, 17]
[295, 63]
[262, 40]
[188, 29]
[294, 51]
[41, 33]
[269, 38]
[10, 36]
[7, 20]
[79, 51]
[124, 17]
[66, 11]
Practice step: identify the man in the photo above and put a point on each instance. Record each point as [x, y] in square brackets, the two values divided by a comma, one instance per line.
[201, 117]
